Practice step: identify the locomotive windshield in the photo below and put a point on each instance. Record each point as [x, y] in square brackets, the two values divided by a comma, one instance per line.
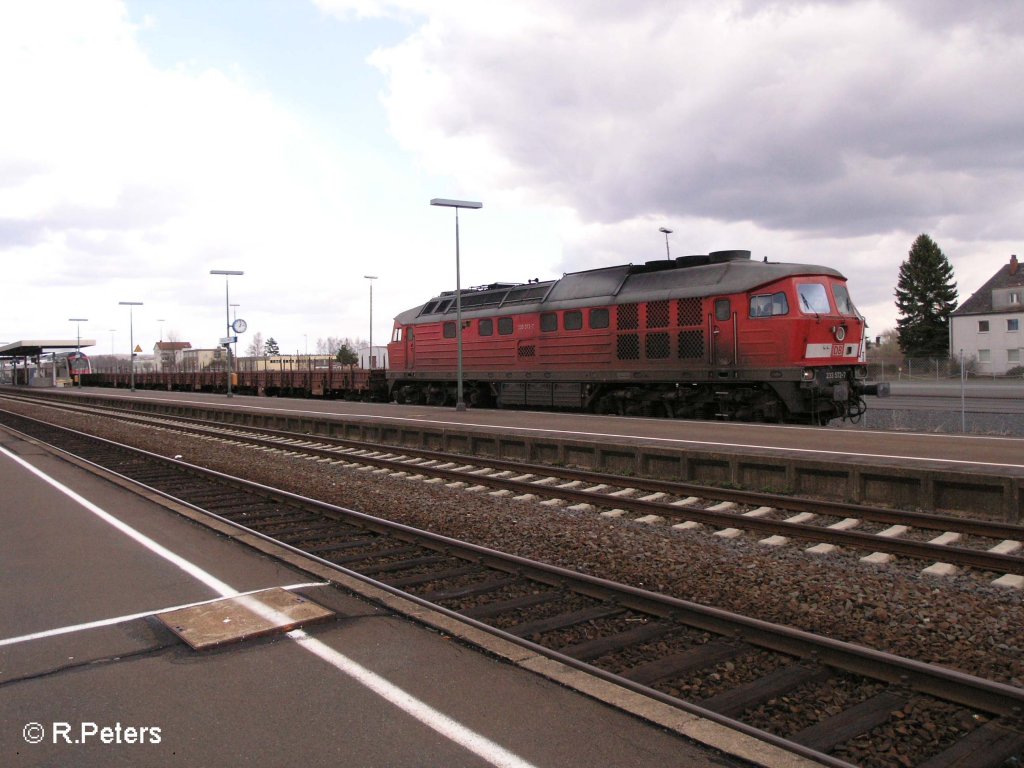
[843, 301]
[813, 299]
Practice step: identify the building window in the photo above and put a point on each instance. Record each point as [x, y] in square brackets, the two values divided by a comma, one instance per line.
[1013, 355]
[984, 356]
[1015, 297]
[1013, 324]
[983, 326]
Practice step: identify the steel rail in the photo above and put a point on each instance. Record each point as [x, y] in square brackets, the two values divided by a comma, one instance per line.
[947, 684]
[868, 542]
[923, 520]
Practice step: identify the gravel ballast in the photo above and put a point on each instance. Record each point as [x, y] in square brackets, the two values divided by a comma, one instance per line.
[960, 622]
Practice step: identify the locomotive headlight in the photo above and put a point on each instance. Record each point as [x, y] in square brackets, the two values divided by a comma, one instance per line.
[808, 374]
[839, 331]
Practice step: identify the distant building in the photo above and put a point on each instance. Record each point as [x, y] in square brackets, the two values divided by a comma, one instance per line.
[987, 327]
[168, 354]
[202, 359]
[379, 357]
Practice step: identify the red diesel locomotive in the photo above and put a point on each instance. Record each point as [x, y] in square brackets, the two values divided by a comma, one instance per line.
[709, 336]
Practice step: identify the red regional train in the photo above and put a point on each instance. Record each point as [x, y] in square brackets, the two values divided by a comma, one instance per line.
[708, 336]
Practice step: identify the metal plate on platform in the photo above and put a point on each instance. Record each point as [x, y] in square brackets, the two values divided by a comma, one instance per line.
[234, 619]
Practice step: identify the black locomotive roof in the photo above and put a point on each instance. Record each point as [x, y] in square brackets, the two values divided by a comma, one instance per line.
[688, 276]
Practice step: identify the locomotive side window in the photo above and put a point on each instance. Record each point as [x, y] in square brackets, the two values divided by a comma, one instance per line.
[505, 326]
[723, 310]
[397, 335]
[486, 327]
[813, 299]
[843, 302]
[548, 321]
[573, 320]
[449, 330]
[599, 318]
[768, 305]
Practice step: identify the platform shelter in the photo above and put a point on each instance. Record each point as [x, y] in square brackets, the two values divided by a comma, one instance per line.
[29, 350]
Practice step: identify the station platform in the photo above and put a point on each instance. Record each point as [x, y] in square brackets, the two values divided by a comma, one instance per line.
[90, 675]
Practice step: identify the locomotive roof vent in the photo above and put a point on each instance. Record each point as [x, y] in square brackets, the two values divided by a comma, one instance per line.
[697, 260]
[657, 266]
[718, 257]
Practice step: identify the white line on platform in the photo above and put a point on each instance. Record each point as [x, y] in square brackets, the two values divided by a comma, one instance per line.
[133, 616]
[468, 739]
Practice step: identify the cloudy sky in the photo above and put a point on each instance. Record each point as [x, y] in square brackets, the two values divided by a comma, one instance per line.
[146, 142]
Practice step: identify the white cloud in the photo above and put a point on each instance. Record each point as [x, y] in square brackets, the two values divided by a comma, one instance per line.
[827, 132]
[136, 180]
[855, 125]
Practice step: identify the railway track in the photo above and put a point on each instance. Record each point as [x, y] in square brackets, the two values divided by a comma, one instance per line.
[943, 544]
[759, 678]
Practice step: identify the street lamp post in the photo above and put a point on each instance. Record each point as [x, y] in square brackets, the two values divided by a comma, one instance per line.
[78, 344]
[234, 319]
[667, 232]
[226, 341]
[131, 336]
[460, 405]
[371, 278]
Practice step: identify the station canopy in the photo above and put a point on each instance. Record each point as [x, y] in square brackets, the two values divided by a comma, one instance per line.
[34, 347]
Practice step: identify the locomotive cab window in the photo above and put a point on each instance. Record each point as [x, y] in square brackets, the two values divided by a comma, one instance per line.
[843, 301]
[723, 310]
[505, 326]
[397, 335]
[548, 321]
[599, 318]
[769, 305]
[813, 299]
[573, 320]
[486, 327]
[449, 330]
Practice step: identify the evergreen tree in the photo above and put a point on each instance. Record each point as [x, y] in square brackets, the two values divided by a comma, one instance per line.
[925, 295]
[271, 348]
[346, 356]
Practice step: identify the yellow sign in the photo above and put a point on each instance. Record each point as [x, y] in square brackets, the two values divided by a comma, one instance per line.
[138, 348]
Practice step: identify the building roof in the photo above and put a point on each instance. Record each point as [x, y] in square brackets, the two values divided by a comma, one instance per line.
[32, 347]
[1010, 275]
[170, 346]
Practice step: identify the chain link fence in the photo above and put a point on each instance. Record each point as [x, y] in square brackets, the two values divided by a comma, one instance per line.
[934, 369]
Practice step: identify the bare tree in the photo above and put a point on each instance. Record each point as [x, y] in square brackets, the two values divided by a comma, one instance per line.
[255, 348]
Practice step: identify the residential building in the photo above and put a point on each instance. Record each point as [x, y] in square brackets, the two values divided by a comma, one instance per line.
[168, 354]
[989, 326]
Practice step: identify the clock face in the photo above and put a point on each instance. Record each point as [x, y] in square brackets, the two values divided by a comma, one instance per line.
[239, 326]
